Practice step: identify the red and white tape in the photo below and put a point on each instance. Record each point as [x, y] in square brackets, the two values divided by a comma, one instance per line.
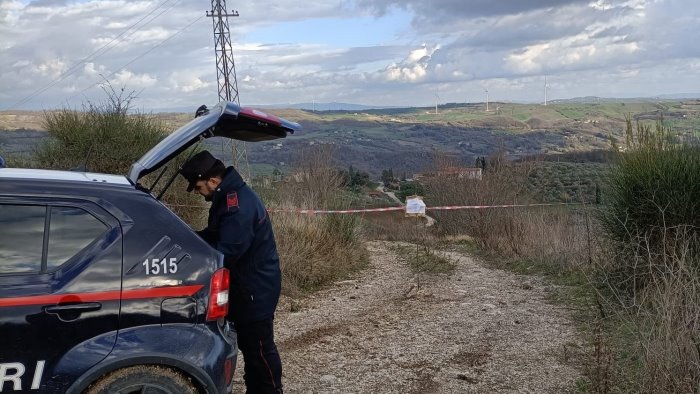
[345, 211]
[403, 208]
[498, 206]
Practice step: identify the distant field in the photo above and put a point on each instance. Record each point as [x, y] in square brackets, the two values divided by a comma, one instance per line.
[406, 139]
[567, 182]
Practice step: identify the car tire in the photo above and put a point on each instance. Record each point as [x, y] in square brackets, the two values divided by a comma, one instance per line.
[150, 379]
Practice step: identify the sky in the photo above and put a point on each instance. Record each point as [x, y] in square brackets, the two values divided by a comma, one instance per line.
[61, 53]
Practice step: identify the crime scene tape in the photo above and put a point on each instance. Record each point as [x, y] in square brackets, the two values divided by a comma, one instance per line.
[402, 208]
[501, 206]
[387, 209]
[305, 211]
[345, 211]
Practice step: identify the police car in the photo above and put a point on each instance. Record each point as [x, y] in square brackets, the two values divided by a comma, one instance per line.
[103, 289]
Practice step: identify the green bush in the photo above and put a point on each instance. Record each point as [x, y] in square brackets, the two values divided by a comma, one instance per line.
[407, 189]
[653, 194]
[107, 138]
[99, 139]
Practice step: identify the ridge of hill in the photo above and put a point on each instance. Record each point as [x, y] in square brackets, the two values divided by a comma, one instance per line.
[404, 139]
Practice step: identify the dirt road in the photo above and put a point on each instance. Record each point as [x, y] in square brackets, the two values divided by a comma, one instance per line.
[478, 330]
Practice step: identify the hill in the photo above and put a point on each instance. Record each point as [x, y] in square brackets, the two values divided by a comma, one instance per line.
[405, 139]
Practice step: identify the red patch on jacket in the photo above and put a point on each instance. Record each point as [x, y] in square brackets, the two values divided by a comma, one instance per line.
[232, 200]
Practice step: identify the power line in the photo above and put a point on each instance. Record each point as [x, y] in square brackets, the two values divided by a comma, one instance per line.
[139, 56]
[95, 54]
[226, 77]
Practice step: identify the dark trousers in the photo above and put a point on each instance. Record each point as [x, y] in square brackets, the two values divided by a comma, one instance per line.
[263, 366]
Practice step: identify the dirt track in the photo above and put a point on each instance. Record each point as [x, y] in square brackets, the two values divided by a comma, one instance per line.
[478, 330]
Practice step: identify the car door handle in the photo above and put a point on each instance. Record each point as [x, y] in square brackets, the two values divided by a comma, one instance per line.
[80, 308]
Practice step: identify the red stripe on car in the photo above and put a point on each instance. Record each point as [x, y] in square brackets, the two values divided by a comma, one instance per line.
[53, 299]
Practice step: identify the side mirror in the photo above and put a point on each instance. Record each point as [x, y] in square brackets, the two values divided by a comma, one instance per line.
[2, 162]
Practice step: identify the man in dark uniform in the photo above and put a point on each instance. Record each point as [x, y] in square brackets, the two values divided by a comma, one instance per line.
[240, 228]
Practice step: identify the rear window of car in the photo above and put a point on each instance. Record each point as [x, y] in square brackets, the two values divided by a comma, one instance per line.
[39, 238]
[70, 231]
[21, 238]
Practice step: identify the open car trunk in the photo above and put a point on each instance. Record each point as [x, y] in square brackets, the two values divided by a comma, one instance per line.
[227, 120]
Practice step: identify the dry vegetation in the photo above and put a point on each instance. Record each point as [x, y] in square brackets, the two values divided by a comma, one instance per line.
[319, 249]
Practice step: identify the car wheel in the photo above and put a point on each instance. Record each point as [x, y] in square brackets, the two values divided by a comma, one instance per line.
[146, 379]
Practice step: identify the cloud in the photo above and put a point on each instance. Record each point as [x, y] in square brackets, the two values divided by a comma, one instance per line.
[289, 55]
[128, 78]
[70, 46]
[570, 54]
[52, 68]
[414, 67]
[91, 70]
[448, 10]
[187, 82]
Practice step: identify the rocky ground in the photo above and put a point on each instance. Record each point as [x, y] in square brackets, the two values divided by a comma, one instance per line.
[477, 330]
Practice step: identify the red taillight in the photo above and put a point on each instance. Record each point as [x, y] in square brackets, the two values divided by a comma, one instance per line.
[260, 116]
[228, 370]
[218, 295]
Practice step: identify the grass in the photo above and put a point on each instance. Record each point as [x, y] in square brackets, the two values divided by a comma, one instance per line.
[19, 160]
[462, 113]
[563, 263]
[423, 259]
[317, 250]
[570, 112]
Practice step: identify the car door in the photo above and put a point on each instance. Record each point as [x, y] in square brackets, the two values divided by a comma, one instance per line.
[60, 284]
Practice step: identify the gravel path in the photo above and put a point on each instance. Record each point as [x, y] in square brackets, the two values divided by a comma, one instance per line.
[478, 330]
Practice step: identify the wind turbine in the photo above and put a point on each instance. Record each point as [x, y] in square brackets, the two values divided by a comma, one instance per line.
[487, 99]
[437, 97]
[545, 90]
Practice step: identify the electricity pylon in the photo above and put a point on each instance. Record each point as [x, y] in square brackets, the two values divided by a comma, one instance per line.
[226, 77]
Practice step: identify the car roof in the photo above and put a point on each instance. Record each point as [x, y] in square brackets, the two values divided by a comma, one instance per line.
[68, 176]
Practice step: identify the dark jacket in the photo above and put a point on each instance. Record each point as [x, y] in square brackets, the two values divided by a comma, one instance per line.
[240, 228]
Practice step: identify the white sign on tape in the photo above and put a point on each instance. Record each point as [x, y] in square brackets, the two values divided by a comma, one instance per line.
[415, 205]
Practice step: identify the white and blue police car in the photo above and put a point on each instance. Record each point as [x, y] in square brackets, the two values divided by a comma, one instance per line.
[103, 289]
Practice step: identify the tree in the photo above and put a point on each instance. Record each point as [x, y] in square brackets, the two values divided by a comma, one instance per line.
[387, 177]
[410, 189]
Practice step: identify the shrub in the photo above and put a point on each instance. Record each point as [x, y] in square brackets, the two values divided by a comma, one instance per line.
[423, 258]
[407, 189]
[316, 249]
[314, 182]
[106, 138]
[654, 192]
[101, 138]
[669, 327]
[652, 272]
